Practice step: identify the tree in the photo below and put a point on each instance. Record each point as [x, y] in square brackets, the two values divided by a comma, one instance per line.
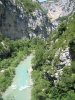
[61, 28]
[38, 60]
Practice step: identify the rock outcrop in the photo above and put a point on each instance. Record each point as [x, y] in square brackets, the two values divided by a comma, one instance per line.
[65, 57]
[16, 23]
[58, 8]
[65, 60]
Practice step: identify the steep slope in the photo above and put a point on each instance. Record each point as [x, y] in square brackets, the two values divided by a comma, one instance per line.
[58, 8]
[16, 23]
[54, 64]
[54, 61]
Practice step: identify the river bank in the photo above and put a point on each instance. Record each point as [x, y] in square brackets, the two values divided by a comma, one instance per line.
[20, 88]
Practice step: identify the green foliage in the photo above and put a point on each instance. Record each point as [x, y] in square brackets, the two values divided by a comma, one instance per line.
[45, 62]
[39, 92]
[61, 28]
[18, 50]
[73, 66]
[72, 48]
[29, 6]
[39, 60]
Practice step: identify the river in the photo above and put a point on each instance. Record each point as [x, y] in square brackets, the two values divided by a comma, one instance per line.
[20, 88]
[41, 0]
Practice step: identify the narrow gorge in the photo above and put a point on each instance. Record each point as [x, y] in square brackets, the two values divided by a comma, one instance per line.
[37, 50]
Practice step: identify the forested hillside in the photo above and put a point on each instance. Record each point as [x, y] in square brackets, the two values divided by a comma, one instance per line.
[54, 64]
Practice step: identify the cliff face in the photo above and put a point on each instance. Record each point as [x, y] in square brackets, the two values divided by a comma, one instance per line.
[16, 23]
[58, 8]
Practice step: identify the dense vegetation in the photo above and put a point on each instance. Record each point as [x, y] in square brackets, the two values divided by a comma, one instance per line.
[46, 86]
[28, 5]
[44, 62]
[11, 53]
[19, 49]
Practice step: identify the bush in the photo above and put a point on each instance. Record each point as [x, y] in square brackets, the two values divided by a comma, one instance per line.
[61, 28]
[29, 5]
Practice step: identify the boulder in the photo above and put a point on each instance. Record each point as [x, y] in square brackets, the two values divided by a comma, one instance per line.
[65, 58]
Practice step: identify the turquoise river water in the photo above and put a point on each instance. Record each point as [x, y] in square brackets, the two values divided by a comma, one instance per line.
[20, 88]
[42, 0]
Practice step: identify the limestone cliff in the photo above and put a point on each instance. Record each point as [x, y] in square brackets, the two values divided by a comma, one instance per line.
[16, 23]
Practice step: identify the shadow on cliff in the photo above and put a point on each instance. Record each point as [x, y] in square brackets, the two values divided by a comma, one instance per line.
[72, 49]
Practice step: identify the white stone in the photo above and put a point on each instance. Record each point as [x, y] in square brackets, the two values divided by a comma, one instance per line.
[1, 3]
[2, 71]
[65, 57]
[56, 75]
